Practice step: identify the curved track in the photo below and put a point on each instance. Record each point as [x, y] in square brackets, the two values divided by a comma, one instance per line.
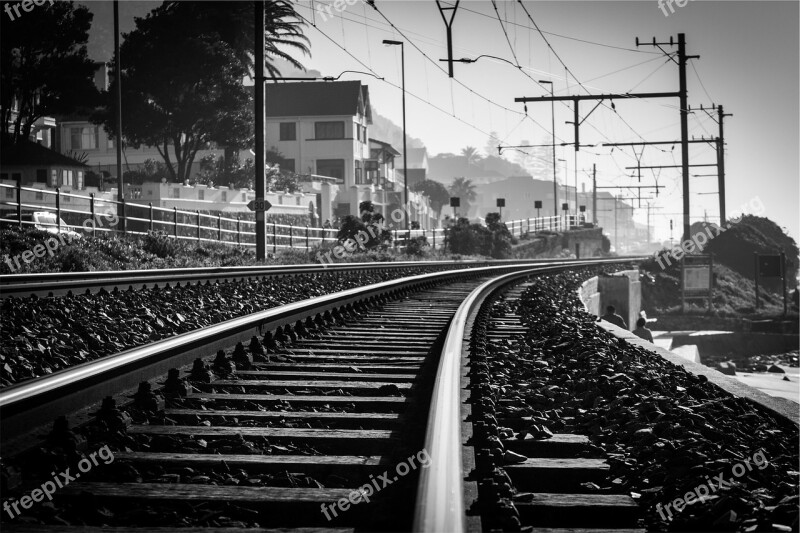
[326, 404]
[61, 283]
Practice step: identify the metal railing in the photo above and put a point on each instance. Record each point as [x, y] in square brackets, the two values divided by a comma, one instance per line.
[203, 227]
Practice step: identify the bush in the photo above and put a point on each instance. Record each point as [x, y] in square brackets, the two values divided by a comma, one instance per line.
[160, 244]
[417, 246]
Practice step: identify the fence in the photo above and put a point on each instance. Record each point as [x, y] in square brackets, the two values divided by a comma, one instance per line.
[193, 225]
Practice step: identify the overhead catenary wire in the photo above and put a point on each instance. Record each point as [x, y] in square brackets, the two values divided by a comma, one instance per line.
[411, 94]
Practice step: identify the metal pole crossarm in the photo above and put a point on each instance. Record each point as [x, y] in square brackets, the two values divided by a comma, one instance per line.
[673, 166]
[610, 96]
[633, 187]
[658, 142]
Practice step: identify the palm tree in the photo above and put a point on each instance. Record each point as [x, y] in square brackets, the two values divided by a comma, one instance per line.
[470, 153]
[233, 22]
[464, 189]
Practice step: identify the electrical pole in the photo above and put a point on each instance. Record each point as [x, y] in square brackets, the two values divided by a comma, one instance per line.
[449, 25]
[684, 108]
[721, 164]
[118, 79]
[260, 109]
[594, 193]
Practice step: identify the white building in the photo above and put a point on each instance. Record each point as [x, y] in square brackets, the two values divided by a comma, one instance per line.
[322, 128]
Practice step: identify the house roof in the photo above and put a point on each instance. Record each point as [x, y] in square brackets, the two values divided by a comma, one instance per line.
[318, 99]
[386, 146]
[31, 153]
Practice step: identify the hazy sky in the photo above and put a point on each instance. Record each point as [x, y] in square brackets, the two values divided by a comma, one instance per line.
[749, 63]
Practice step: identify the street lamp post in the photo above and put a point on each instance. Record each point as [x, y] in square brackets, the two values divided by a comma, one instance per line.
[553, 115]
[405, 151]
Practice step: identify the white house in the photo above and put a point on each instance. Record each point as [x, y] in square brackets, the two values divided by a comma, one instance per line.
[322, 128]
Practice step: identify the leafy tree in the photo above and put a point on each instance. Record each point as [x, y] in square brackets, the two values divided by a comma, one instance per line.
[44, 66]
[151, 170]
[435, 191]
[182, 75]
[465, 190]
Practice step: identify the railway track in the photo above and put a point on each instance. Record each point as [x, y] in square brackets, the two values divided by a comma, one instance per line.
[62, 283]
[343, 412]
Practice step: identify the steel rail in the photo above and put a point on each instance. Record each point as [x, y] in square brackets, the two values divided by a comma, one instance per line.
[440, 494]
[40, 400]
[59, 283]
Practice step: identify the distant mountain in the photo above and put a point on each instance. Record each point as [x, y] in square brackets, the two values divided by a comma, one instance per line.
[385, 130]
[446, 167]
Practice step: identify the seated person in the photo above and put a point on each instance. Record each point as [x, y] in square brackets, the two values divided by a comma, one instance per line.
[612, 316]
[641, 331]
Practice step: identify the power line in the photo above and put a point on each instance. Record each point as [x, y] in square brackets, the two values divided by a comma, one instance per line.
[371, 70]
[563, 36]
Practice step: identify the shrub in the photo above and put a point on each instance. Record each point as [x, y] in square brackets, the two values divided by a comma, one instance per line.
[160, 244]
[417, 246]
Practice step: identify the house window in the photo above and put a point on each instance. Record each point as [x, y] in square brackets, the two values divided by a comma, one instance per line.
[41, 175]
[79, 180]
[4, 176]
[83, 138]
[201, 194]
[176, 192]
[287, 164]
[359, 178]
[329, 130]
[224, 196]
[333, 168]
[288, 131]
[54, 178]
[66, 178]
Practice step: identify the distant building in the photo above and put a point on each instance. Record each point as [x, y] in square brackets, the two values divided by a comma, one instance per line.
[32, 163]
[417, 165]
